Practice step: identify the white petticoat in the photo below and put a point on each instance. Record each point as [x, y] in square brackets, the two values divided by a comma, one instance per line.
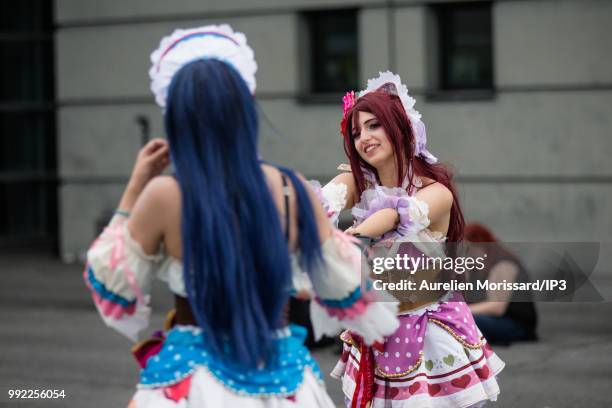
[206, 391]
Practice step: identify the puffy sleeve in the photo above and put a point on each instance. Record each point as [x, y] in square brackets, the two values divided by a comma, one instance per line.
[413, 213]
[332, 198]
[119, 275]
[345, 300]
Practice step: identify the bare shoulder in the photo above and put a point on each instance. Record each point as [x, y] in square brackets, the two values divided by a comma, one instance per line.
[269, 170]
[163, 187]
[345, 178]
[157, 207]
[434, 192]
[160, 192]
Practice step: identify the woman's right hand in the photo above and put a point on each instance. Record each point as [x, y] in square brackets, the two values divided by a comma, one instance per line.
[352, 231]
[152, 160]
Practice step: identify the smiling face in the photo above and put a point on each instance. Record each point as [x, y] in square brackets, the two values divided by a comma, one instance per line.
[371, 140]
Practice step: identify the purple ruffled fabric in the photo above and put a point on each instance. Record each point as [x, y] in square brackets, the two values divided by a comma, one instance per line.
[379, 197]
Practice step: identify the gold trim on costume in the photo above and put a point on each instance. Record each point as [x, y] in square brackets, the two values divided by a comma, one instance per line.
[403, 373]
[456, 336]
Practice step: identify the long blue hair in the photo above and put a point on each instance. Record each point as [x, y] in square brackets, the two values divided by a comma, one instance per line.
[236, 259]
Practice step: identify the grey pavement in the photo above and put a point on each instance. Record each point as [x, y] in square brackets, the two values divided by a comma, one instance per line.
[52, 338]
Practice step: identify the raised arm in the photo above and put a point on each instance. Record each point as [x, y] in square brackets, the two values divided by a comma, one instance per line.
[151, 161]
[119, 266]
[377, 224]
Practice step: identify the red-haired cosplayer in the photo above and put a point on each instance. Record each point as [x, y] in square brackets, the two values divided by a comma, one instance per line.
[398, 193]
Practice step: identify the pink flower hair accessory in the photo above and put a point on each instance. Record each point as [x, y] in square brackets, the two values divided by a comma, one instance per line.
[349, 101]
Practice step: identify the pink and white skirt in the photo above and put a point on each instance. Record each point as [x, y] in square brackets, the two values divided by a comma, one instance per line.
[436, 359]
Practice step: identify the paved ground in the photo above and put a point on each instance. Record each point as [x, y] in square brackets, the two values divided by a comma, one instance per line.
[51, 338]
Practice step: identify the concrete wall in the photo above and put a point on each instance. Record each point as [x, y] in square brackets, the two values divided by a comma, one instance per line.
[532, 162]
[79, 11]
[547, 43]
[119, 56]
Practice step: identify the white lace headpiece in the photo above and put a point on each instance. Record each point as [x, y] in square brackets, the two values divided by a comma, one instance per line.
[186, 45]
[391, 83]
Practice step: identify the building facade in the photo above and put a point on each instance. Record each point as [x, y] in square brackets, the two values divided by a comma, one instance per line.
[516, 95]
[28, 168]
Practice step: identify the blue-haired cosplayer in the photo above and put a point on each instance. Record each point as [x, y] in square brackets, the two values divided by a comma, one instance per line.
[248, 231]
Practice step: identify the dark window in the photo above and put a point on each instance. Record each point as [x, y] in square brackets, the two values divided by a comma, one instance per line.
[26, 16]
[23, 220]
[26, 72]
[333, 51]
[465, 53]
[25, 145]
[28, 181]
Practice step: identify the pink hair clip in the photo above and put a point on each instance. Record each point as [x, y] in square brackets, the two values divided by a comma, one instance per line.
[349, 101]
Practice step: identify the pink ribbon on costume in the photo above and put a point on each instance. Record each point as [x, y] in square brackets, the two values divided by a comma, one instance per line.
[118, 258]
[178, 391]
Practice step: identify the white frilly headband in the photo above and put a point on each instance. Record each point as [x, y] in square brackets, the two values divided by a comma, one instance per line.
[186, 45]
[391, 83]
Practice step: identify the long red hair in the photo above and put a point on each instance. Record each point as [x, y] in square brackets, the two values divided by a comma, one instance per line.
[390, 112]
[476, 232]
